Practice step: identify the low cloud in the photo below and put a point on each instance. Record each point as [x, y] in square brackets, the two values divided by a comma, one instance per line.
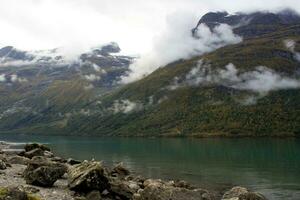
[125, 106]
[291, 45]
[92, 77]
[176, 42]
[14, 78]
[2, 78]
[16, 63]
[261, 80]
[98, 69]
[88, 87]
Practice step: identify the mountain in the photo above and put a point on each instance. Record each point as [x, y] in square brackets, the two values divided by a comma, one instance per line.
[251, 88]
[253, 24]
[39, 87]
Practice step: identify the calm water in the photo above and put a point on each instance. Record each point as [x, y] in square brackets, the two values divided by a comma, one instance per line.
[269, 166]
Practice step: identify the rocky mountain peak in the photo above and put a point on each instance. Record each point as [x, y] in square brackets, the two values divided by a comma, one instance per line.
[246, 24]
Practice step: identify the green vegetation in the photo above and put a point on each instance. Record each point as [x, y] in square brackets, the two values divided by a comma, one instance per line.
[32, 197]
[211, 110]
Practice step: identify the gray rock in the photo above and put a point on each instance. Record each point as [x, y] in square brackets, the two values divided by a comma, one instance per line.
[93, 195]
[18, 160]
[30, 147]
[252, 196]
[34, 152]
[241, 193]
[234, 192]
[119, 169]
[123, 189]
[58, 159]
[12, 151]
[41, 172]
[2, 165]
[182, 184]
[48, 154]
[156, 190]
[30, 189]
[12, 193]
[87, 176]
[71, 161]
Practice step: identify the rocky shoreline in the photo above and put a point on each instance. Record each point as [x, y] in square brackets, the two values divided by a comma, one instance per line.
[35, 173]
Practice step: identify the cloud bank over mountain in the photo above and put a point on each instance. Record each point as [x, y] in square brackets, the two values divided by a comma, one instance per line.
[177, 43]
[261, 80]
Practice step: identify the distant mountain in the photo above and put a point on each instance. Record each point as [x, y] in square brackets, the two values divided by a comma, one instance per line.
[247, 89]
[43, 86]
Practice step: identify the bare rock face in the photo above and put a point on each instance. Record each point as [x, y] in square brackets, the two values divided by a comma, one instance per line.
[241, 193]
[87, 176]
[41, 172]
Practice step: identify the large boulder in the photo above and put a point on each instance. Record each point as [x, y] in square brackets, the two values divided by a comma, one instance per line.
[30, 147]
[42, 172]
[87, 176]
[241, 193]
[157, 190]
[123, 189]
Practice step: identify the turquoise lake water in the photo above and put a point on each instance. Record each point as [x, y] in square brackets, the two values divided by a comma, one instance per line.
[269, 166]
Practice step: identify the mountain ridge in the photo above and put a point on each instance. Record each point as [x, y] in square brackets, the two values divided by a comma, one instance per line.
[246, 89]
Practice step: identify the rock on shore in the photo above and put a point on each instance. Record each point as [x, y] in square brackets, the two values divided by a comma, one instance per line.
[37, 174]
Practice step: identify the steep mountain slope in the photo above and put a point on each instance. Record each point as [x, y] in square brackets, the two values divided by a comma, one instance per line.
[256, 95]
[247, 89]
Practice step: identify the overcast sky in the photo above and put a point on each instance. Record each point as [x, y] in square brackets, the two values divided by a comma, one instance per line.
[42, 24]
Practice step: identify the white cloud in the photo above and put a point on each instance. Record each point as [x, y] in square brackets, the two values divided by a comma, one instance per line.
[249, 100]
[264, 79]
[96, 68]
[15, 78]
[125, 106]
[92, 77]
[261, 80]
[177, 43]
[2, 78]
[44, 24]
[88, 87]
[291, 45]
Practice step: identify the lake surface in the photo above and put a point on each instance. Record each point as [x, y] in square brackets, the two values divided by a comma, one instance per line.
[269, 166]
